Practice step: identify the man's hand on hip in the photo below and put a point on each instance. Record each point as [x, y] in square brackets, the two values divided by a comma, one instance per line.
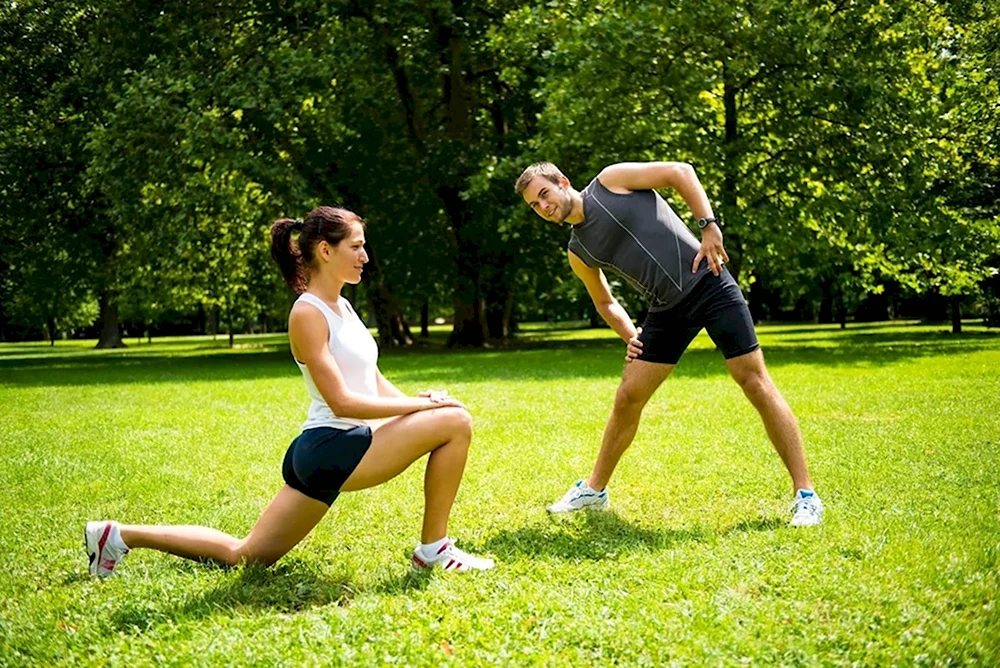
[711, 249]
[634, 348]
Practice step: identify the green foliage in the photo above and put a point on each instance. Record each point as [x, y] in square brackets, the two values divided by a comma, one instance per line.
[829, 131]
[695, 566]
[145, 148]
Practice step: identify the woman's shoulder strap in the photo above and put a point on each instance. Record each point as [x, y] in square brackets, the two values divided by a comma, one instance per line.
[318, 303]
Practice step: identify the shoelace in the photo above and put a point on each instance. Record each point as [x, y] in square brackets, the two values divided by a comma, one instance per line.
[805, 503]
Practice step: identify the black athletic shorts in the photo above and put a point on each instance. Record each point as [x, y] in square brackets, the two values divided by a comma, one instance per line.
[717, 305]
[320, 460]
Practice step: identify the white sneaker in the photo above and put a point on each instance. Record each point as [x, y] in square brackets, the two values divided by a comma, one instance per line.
[103, 555]
[808, 509]
[450, 558]
[581, 497]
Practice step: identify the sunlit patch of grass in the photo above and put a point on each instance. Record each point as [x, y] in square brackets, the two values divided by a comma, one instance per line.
[695, 565]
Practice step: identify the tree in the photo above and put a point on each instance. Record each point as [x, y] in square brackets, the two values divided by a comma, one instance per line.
[61, 64]
[817, 125]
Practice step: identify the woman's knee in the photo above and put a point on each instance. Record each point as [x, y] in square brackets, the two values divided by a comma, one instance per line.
[243, 554]
[234, 555]
[457, 422]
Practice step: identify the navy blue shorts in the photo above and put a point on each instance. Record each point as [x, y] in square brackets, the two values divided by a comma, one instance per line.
[319, 461]
[716, 305]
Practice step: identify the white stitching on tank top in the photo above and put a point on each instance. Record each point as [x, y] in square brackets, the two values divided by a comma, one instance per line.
[679, 286]
[646, 293]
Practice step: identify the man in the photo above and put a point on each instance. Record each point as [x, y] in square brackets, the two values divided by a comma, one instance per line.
[619, 222]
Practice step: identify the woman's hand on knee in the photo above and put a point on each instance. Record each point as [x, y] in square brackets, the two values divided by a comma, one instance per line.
[440, 399]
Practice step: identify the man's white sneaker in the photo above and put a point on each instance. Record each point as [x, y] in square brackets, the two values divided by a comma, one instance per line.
[450, 558]
[581, 497]
[808, 509]
[104, 553]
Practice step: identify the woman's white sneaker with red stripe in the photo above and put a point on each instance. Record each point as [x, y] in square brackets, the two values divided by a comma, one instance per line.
[103, 553]
[450, 558]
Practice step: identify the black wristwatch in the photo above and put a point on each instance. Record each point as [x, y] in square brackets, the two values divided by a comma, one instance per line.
[705, 222]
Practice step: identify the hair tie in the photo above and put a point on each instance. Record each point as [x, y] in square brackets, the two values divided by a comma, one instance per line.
[298, 225]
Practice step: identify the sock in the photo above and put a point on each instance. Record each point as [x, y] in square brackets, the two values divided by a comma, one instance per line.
[115, 537]
[804, 493]
[430, 550]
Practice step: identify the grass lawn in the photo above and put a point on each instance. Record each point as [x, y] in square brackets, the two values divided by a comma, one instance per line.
[694, 566]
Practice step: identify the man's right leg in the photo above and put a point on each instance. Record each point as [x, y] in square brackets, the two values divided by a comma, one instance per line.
[639, 382]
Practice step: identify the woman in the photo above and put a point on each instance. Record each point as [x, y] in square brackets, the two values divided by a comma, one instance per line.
[337, 450]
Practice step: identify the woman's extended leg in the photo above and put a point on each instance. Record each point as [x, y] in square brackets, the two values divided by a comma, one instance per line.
[285, 522]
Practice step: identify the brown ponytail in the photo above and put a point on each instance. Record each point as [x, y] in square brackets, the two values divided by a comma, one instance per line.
[287, 255]
[295, 256]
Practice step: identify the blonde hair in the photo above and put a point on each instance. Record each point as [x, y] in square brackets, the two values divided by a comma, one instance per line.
[546, 169]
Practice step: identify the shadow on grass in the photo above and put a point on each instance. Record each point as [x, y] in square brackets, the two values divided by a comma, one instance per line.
[600, 536]
[522, 360]
[758, 524]
[594, 537]
[292, 586]
[285, 588]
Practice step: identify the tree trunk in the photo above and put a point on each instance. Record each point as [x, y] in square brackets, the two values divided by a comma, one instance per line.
[111, 334]
[50, 326]
[3, 313]
[393, 330]
[730, 169]
[826, 303]
[956, 315]
[469, 329]
[229, 322]
[212, 321]
[497, 277]
[842, 311]
[425, 317]
[508, 311]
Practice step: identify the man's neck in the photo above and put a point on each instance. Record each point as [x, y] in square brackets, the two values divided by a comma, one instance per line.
[575, 216]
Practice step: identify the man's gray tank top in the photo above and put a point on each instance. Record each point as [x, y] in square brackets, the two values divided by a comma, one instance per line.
[639, 237]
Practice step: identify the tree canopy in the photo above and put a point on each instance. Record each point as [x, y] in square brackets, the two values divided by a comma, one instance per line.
[852, 148]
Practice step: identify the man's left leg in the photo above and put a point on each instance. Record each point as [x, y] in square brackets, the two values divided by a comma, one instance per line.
[779, 421]
[782, 428]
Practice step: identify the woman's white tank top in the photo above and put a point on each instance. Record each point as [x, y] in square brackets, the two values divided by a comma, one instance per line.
[356, 353]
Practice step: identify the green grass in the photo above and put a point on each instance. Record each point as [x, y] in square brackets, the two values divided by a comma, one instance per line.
[695, 566]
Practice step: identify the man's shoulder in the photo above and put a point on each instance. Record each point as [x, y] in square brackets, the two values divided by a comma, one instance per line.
[594, 184]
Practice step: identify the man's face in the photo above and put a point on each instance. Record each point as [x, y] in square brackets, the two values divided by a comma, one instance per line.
[549, 200]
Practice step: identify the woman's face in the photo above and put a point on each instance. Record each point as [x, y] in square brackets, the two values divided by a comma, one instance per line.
[347, 259]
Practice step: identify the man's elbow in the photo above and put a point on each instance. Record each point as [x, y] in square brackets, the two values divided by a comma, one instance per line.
[679, 172]
[605, 309]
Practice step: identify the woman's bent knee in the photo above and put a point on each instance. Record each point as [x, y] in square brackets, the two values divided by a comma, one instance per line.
[458, 421]
[241, 554]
